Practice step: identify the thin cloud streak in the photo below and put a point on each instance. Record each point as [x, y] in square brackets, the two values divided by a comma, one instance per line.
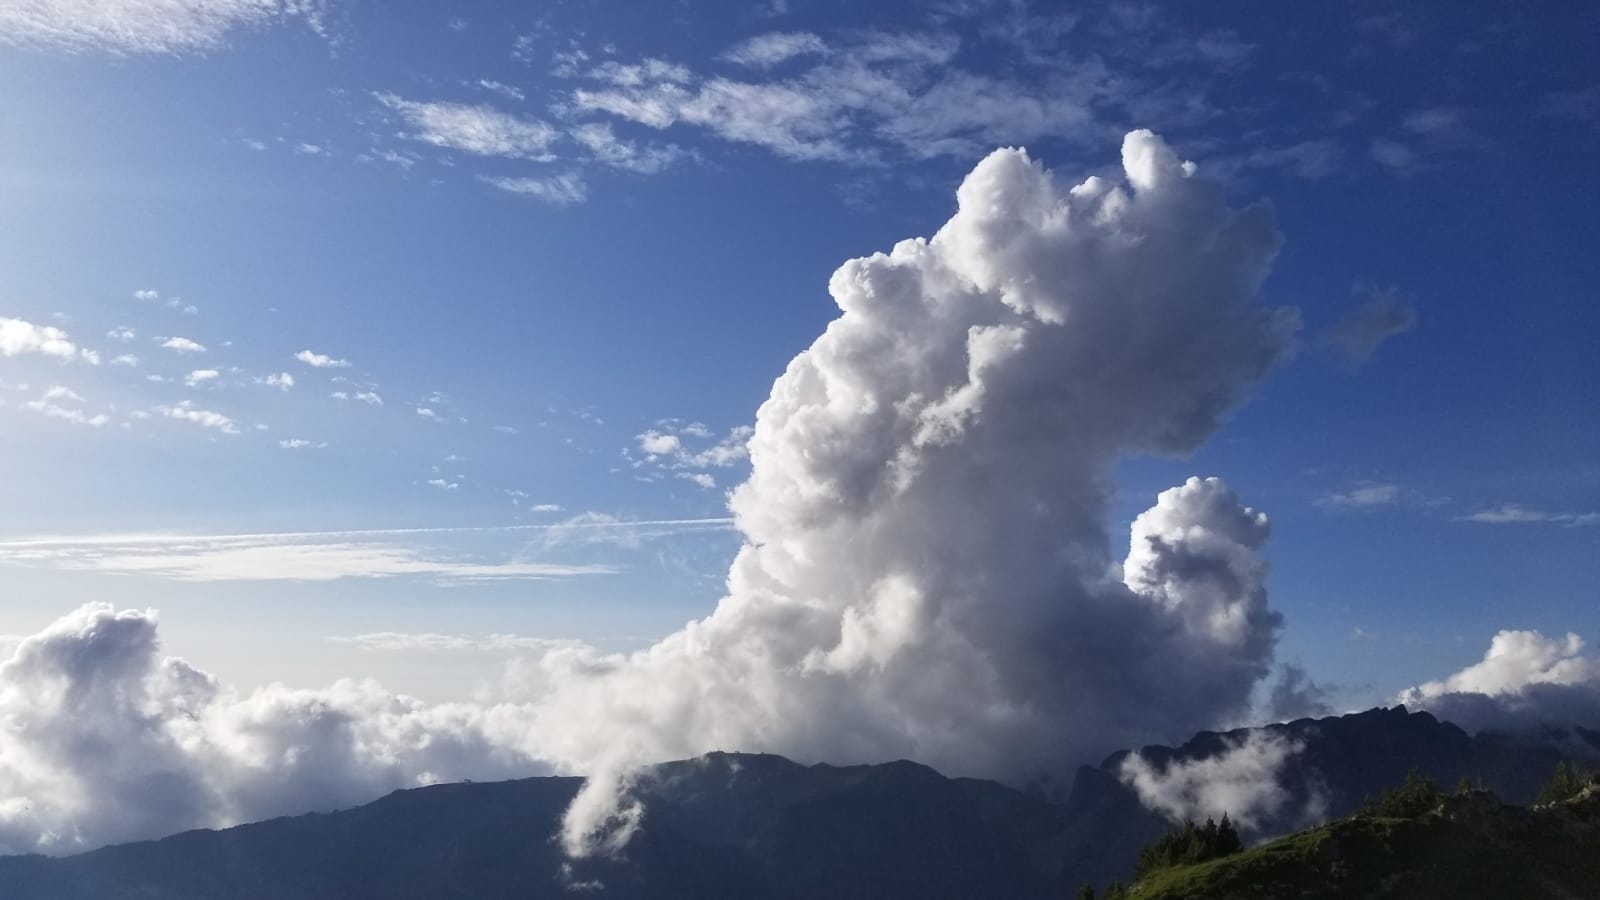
[329, 555]
[710, 524]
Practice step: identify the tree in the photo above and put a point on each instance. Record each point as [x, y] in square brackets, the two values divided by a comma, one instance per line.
[1566, 782]
[1189, 844]
[1420, 794]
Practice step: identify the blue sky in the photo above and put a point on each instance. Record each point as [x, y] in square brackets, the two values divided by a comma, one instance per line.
[502, 254]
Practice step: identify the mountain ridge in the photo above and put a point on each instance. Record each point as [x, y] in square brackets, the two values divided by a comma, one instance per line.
[749, 824]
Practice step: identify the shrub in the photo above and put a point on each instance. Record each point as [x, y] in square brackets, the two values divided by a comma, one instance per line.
[1419, 794]
[1189, 844]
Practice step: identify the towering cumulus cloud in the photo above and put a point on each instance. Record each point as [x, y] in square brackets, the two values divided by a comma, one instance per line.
[926, 572]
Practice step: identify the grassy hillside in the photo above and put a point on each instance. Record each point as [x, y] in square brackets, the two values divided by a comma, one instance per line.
[1470, 846]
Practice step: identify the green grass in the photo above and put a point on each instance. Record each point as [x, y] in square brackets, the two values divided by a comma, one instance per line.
[1507, 853]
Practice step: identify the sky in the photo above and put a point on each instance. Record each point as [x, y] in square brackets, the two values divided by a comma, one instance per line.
[415, 342]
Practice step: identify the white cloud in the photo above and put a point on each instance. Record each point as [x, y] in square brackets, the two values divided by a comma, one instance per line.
[1517, 514]
[144, 26]
[427, 413]
[172, 303]
[18, 337]
[186, 412]
[321, 361]
[546, 507]
[1524, 680]
[925, 562]
[443, 485]
[313, 556]
[182, 345]
[122, 333]
[557, 190]
[200, 376]
[879, 94]
[667, 450]
[301, 444]
[283, 381]
[1362, 496]
[49, 407]
[657, 444]
[191, 753]
[925, 569]
[599, 139]
[476, 129]
[1242, 781]
[126, 359]
[368, 397]
[768, 50]
[505, 90]
[431, 642]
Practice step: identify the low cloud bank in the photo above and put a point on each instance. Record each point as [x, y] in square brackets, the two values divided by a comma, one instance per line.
[1242, 782]
[1525, 680]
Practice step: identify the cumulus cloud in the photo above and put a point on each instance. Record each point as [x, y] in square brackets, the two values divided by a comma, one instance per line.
[1241, 781]
[1524, 680]
[182, 345]
[104, 739]
[301, 444]
[18, 337]
[371, 398]
[686, 451]
[144, 26]
[321, 360]
[1382, 315]
[283, 381]
[200, 376]
[926, 569]
[205, 418]
[477, 129]
[54, 404]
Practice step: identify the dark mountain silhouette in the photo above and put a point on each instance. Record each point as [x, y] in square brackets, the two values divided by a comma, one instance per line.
[755, 825]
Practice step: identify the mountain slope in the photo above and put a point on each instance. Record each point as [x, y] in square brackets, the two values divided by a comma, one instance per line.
[1472, 846]
[754, 825]
[725, 825]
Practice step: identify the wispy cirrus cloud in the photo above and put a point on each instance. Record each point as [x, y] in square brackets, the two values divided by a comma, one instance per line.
[557, 190]
[433, 642]
[144, 26]
[1363, 496]
[1517, 514]
[431, 553]
[473, 128]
